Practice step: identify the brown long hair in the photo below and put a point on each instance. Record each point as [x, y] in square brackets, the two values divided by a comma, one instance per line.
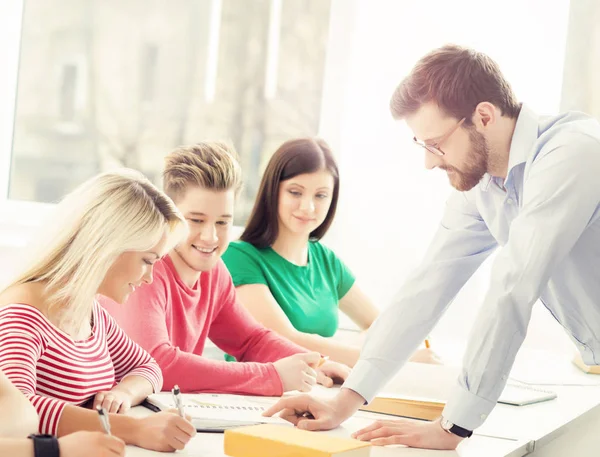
[293, 158]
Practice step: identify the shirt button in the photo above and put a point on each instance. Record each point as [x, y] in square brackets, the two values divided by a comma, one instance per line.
[509, 201]
[483, 416]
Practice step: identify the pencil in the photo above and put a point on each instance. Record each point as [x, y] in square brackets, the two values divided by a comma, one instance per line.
[427, 345]
[323, 360]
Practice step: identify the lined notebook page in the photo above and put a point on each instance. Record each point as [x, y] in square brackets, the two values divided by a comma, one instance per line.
[216, 406]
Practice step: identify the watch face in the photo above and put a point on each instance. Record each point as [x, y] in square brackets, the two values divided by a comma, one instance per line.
[446, 424]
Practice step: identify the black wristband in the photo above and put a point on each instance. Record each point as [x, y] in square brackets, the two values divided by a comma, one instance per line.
[45, 446]
[458, 431]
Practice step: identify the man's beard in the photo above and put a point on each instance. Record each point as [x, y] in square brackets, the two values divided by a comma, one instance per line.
[477, 165]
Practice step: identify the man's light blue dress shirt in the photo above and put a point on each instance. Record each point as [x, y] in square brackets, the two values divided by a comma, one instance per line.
[545, 218]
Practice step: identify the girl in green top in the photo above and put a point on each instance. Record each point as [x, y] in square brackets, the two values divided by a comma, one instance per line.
[284, 276]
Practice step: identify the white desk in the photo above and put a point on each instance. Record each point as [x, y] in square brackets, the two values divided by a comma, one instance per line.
[211, 444]
[567, 426]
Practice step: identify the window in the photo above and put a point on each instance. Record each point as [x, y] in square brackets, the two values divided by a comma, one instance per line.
[121, 83]
[67, 92]
[148, 73]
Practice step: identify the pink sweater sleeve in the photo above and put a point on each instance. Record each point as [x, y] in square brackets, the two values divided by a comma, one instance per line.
[238, 333]
[21, 346]
[192, 372]
[128, 358]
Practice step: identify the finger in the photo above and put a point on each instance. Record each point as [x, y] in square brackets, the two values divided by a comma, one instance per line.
[183, 436]
[186, 426]
[396, 439]
[309, 379]
[124, 408]
[178, 439]
[98, 400]
[381, 432]
[279, 406]
[312, 358]
[305, 387]
[324, 380]
[369, 428]
[115, 445]
[311, 371]
[107, 402]
[114, 407]
[312, 424]
[290, 415]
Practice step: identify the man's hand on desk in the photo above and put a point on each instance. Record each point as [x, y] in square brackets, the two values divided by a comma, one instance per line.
[412, 433]
[309, 413]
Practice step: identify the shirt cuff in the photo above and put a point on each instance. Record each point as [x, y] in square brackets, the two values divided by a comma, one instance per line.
[466, 409]
[366, 380]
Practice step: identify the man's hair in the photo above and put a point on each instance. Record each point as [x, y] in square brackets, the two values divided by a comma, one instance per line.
[457, 79]
[210, 165]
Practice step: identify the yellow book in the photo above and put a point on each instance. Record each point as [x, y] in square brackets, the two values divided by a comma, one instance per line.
[270, 440]
[406, 407]
[591, 369]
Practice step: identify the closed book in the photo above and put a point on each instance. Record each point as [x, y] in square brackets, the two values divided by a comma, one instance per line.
[406, 407]
[420, 391]
[270, 440]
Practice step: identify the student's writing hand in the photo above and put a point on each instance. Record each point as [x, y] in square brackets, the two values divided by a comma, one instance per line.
[164, 432]
[90, 444]
[296, 372]
[412, 433]
[113, 401]
[426, 356]
[331, 373]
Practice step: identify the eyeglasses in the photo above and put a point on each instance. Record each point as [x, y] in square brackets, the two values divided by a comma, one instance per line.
[435, 147]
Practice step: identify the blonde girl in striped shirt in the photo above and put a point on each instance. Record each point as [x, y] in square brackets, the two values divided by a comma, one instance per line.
[57, 344]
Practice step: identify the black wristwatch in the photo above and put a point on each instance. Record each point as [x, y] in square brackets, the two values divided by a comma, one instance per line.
[455, 429]
[45, 446]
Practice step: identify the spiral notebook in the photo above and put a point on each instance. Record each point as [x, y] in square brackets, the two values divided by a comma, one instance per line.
[215, 412]
[521, 395]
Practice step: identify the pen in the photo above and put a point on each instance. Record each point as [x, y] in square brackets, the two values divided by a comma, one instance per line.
[177, 400]
[324, 359]
[103, 419]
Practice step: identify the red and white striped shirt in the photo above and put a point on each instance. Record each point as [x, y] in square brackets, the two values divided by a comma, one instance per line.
[52, 370]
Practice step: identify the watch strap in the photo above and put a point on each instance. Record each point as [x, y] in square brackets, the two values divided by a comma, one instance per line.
[458, 431]
[45, 446]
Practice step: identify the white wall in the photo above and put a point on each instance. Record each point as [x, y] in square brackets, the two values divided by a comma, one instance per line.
[390, 206]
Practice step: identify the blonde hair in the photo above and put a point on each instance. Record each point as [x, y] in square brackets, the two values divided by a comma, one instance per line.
[107, 215]
[209, 165]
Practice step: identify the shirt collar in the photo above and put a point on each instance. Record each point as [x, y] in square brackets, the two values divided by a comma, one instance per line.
[523, 139]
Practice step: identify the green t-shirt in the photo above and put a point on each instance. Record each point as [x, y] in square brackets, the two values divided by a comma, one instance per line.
[308, 295]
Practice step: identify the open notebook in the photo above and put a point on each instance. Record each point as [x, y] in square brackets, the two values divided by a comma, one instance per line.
[420, 391]
[215, 412]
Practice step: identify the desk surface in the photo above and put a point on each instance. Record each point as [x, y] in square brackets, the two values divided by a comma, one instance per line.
[510, 431]
[211, 444]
